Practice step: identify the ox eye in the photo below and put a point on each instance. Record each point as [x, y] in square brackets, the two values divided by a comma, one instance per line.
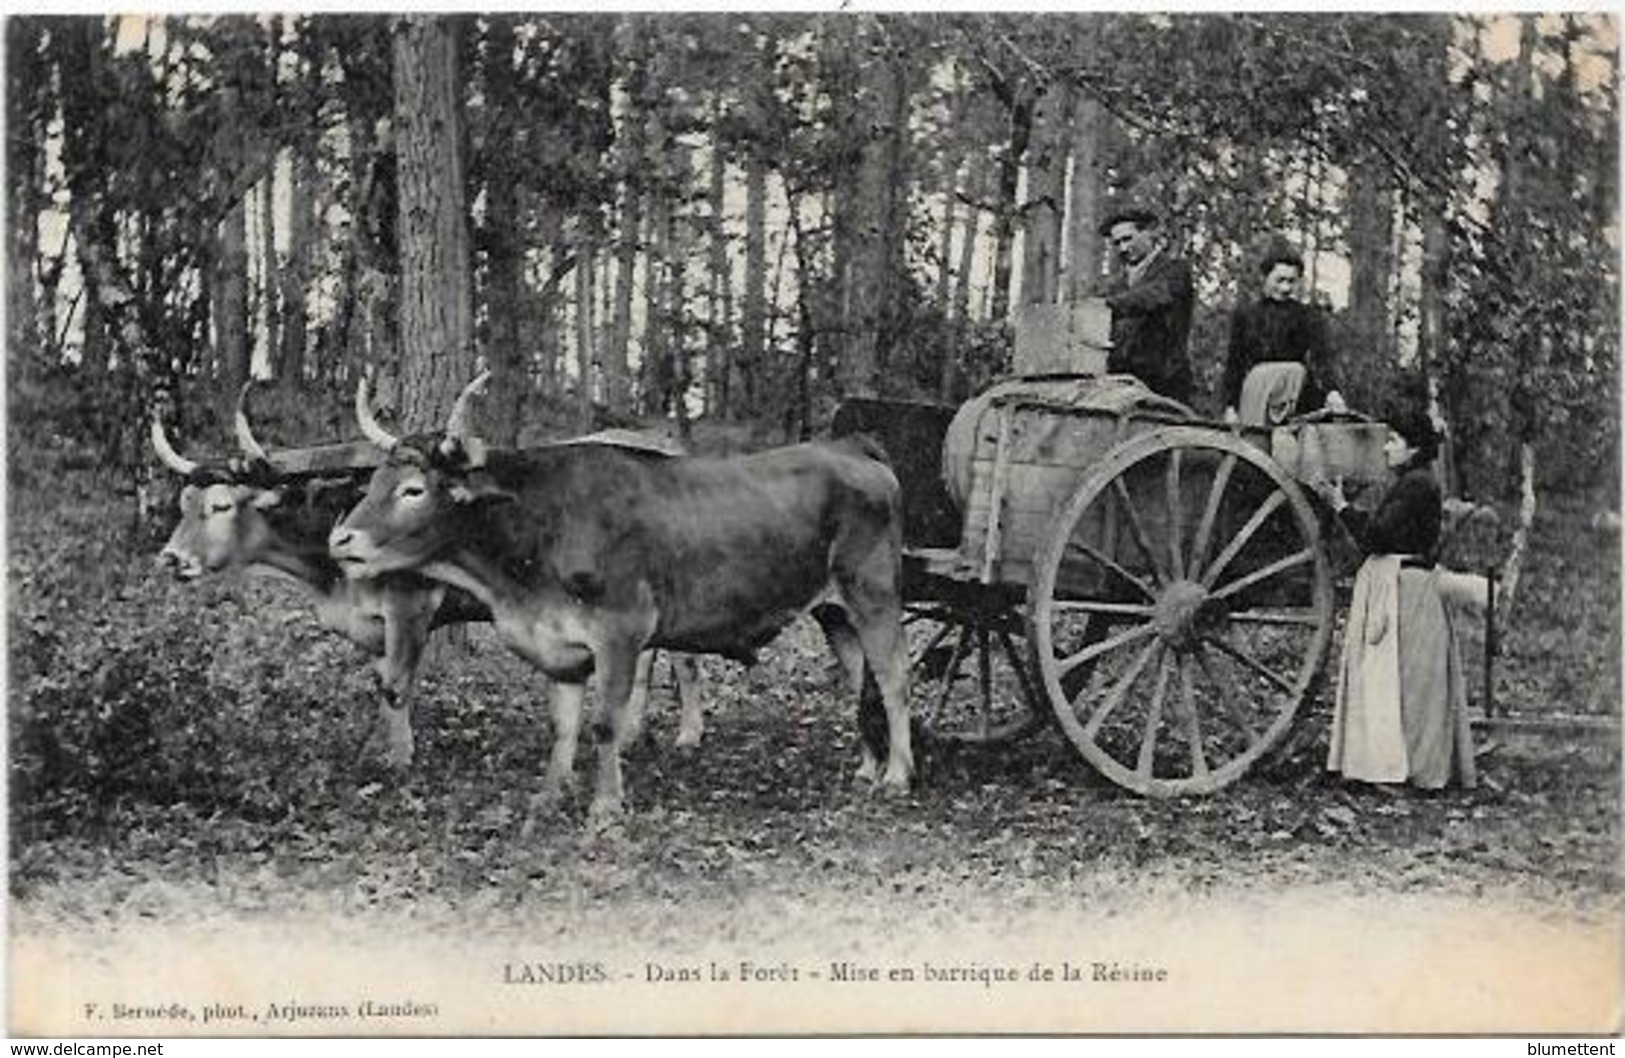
[222, 508]
[411, 492]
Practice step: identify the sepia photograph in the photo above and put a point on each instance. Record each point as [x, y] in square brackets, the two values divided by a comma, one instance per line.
[831, 522]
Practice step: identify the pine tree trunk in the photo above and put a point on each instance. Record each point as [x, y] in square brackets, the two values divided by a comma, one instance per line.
[510, 384]
[270, 316]
[24, 173]
[436, 317]
[874, 213]
[630, 163]
[1004, 221]
[753, 319]
[719, 346]
[1371, 263]
[1046, 196]
[585, 351]
[230, 307]
[79, 49]
[1092, 132]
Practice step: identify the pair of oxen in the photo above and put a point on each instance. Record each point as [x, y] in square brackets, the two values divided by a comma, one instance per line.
[585, 555]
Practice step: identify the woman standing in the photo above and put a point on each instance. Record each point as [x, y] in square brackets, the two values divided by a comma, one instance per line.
[1401, 711]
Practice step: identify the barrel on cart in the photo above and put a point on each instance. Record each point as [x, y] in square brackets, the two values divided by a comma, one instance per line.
[1083, 549]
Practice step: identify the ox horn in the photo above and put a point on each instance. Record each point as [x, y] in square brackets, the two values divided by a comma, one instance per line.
[457, 421]
[363, 414]
[166, 451]
[245, 434]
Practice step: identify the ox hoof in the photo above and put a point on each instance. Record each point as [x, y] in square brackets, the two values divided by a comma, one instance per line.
[688, 740]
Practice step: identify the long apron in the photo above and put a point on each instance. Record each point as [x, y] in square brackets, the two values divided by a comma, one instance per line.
[1401, 713]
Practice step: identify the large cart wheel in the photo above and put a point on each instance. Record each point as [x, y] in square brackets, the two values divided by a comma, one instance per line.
[971, 677]
[1181, 610]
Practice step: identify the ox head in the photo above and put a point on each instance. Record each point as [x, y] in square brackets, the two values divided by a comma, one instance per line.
[422, 498]
[223, 504]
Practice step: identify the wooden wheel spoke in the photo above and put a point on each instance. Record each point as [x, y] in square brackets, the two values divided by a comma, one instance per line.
[1279, 566]
[1300, 618]
[1119, 691]
[1024, 677]
[1210, 513]
[1088, 549]
[984, 672]
[936, 641]
[953, 667]
[1232, 549]
[1137, 530]
[1117, 609]
[1153, 720]
[1176, 529]
[1228, 693]
[1105, 646]
[1193, 721]
[1251, 662]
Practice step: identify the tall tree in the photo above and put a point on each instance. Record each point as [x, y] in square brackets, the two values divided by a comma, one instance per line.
[1045, 207]
[502, 236]
[25, 184]
[437, 332]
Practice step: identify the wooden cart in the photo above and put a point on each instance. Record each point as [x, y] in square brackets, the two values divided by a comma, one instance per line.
[1158, 584]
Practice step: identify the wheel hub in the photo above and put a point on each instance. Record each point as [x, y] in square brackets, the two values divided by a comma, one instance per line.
[1178, 609]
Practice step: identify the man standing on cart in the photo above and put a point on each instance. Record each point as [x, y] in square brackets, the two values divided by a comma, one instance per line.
[1151, 299]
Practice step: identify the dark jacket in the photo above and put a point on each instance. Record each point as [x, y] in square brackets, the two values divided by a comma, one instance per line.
[1151, 322]
[1279, 330]
[1406, 521]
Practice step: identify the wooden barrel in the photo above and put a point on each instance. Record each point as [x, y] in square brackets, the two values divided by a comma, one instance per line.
[973, 433]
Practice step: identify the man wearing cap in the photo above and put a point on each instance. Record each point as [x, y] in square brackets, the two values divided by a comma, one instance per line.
[1151, 300]
[1279, 357]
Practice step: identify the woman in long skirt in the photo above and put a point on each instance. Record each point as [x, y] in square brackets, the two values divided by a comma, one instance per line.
[1401, 713]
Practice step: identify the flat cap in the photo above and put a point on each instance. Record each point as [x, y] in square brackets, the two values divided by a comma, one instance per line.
[1129, 213]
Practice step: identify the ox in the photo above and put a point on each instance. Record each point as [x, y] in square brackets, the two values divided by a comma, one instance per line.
[587, 555]
[245, 514]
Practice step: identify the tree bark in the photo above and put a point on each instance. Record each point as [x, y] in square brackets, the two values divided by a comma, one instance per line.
[586, 353]
[26, 76]
[510, 382]
[1371, 263]
[435, 299]
[719, 345]
[1020, 105]
[1093, 130]
[873, 211]
[753, 315]
[1046, 197]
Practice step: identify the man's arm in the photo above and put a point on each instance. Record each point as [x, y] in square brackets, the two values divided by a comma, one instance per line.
[1165, 286]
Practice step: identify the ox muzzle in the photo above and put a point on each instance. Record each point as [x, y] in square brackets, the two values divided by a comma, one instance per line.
[353, 549]
[183, 565]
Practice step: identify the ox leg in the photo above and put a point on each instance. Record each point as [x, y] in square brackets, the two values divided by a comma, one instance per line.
[637, 703]
[561, 765]
[876, 613]
[617, 669]
[691, 724]
[843, 640]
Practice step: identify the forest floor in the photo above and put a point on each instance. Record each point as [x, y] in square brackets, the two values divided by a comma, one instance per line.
[187, 755]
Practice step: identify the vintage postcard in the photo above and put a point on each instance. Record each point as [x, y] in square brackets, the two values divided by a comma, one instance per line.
[823, 522]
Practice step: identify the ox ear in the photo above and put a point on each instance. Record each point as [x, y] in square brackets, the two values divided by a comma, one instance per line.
[465, 453]
[479, 488]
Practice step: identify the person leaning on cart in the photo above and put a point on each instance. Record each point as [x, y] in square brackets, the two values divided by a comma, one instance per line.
[1151, 299]
[1401, 713]
[1279, 358]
